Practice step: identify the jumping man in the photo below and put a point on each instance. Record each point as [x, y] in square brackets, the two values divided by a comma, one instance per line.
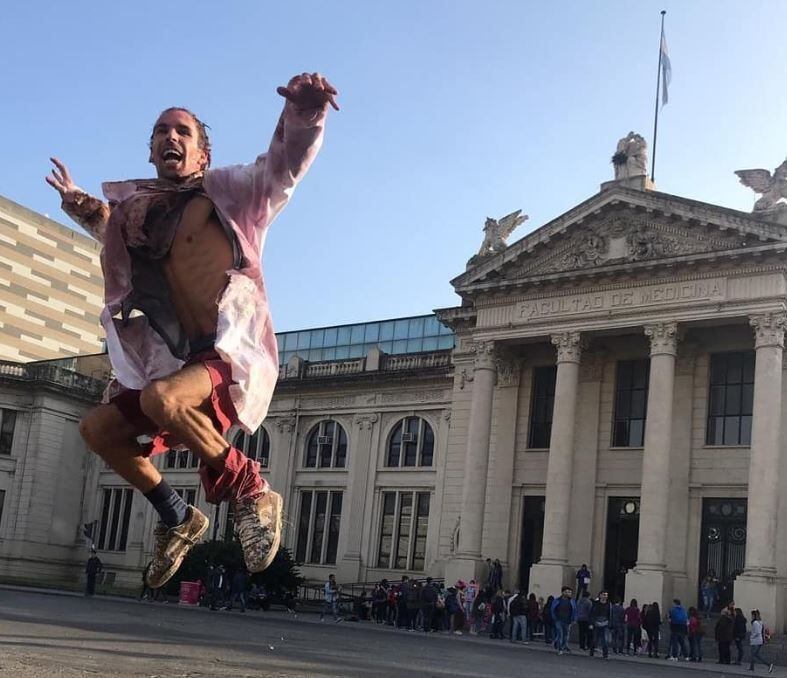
[186, 317]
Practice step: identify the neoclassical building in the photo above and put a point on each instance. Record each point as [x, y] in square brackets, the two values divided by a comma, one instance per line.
[608, 391]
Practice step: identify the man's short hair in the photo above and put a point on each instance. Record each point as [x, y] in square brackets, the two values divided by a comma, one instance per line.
[566, 588]
[203, 140]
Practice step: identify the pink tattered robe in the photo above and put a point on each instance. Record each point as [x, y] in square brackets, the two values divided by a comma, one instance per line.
[247, 198]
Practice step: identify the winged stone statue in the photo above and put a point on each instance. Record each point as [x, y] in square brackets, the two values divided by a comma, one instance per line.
[773, 188]
[496, 232]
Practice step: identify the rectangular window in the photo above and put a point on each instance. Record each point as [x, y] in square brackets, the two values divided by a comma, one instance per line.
[319, 524]
[2, 502]
[115, 519]
[631, 403]
[181, 459]
[405, 522]
[7, 425]
[187, 494]
[730, 398]
[541, 407]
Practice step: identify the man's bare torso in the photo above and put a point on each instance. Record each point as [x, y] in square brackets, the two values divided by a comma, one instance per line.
[196, 267]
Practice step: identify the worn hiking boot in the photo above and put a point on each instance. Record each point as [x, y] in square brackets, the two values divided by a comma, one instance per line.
[258, 527]
[172, 545]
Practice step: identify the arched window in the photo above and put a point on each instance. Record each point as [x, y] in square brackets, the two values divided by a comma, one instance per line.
[411, 443]
[327, 446]
[256, 446]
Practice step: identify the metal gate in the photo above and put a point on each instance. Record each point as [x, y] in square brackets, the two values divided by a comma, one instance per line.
[723, 544]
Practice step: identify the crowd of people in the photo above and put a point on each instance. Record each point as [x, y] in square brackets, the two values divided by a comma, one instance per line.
[604, 625]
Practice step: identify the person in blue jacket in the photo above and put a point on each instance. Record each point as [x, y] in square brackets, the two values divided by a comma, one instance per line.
[564, 613]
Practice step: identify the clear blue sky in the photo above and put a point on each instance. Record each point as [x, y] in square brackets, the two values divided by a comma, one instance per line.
[451, 112]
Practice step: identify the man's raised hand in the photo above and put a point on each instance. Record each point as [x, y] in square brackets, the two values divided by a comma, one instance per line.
[308, 91]
[61, 181]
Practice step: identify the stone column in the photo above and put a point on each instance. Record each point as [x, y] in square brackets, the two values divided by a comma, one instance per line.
[467, 563]
[646, 582]
[757, 586]
[354, 511]
[551, 572]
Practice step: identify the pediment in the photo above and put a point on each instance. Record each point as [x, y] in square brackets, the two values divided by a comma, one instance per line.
[623, 227]
[621, 240]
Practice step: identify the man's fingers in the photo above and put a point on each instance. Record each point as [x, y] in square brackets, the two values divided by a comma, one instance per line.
[332, 102]
[328, 87]
[283, 91]
[63, 169]
[54, 184]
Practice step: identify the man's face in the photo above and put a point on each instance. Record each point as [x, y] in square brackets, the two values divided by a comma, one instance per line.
[567, 593]
[603, 597]
[175, 148]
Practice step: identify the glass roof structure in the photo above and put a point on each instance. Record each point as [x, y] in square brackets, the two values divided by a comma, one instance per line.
[395, 336]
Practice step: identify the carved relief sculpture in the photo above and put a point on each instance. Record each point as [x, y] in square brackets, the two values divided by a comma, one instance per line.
[769, 329]
[773, 188]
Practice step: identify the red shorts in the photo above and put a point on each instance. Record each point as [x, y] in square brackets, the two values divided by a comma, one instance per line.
[222, 411]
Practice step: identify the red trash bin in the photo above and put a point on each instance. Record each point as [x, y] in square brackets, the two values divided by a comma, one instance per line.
[189, 593]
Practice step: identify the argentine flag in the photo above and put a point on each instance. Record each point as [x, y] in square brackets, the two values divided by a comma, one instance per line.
[666, 68]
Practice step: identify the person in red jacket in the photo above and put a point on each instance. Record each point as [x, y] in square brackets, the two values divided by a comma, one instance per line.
[633, 619]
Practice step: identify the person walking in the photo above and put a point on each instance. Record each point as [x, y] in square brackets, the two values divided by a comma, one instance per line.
[724, 633]
[696, 634]
[93, 568]
[584, 606]
[564, 613]
[678, 629]
[652, 625]
[330, 603]
[583, 581]
[600, 623]
[739, 633]
[498, 615]
[757, 639]
[633, 620]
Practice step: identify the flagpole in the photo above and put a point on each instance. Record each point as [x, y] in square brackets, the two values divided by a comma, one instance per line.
[656, 116]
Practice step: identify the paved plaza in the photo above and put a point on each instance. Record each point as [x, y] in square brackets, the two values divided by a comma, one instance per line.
[61, 636]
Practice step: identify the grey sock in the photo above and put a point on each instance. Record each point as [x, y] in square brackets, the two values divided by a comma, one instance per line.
[171, 508]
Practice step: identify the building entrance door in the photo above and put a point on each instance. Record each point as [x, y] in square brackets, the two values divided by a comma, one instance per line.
[532, 537]
[723, 545]
[620, 553]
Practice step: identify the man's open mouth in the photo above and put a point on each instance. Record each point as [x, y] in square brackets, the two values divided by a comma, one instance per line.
[171, 156]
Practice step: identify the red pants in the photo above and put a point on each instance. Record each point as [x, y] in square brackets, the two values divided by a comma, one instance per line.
[240, 477]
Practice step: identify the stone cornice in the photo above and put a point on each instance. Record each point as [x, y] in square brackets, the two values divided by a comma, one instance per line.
[669, 205]
[769, 329]
[477, 289]
[571, 288]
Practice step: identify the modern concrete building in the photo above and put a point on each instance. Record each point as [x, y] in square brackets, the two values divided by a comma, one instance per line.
[51, 289]
[609, 391]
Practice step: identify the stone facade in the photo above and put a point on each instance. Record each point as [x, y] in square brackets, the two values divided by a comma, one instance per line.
[51, 288]
[614, 397]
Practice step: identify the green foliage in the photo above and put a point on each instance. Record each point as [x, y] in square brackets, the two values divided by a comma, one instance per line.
[281, 577]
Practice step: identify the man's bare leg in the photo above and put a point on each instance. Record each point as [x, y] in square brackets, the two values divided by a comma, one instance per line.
[179, 405]
[109, 434]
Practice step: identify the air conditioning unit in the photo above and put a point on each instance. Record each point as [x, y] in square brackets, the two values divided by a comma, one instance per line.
[324, 440]
[409, 437]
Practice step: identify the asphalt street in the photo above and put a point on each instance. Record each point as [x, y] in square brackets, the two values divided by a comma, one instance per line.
[54, 636]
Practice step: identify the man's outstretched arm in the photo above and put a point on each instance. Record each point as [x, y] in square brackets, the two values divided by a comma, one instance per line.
[86, 210]
[259, 191]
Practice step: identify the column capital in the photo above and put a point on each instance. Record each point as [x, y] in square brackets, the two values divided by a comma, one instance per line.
[286, 424]
[485, 356]
[663, 338]
[769, 329]
[569, 346]
[509, 370]
[366, 421]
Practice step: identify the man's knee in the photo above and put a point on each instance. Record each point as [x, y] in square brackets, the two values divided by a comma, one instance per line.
[159, 402]
[103, 426]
